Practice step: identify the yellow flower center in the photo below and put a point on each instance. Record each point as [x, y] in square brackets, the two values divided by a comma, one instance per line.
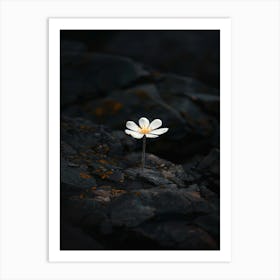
[144, 130]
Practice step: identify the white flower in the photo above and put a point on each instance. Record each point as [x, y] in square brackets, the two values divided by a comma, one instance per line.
[150, 130]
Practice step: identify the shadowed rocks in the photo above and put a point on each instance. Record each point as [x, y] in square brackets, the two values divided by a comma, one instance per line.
[109, 198]
[107, 201]
[109, 89]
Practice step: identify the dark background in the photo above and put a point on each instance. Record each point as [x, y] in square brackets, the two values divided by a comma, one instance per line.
[188, 53]
[109, 77]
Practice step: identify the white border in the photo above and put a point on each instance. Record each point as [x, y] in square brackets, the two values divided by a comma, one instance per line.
[55, 25]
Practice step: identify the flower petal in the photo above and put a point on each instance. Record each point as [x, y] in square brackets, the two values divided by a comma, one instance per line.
[155, 124]
[159, 131]
[144, 123]
[134, 134]
[132, 126]
[149, 135]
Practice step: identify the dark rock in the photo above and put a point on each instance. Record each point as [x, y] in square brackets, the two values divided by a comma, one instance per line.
[116, 176]
[73, 177]
[180, 85]
[198, 239]
[210, 223]
[209, 103]
[180, 201]
[108, 88]
[94, 73]
[109, 72]
[102, 195]
[208, 195]
[106, 227]
[129, 211]
[182, 52]
[66, 149]
[211, 162]
[194, 188]
[210, 168]
[107, 194]
[178, 234]
[135, 208]
[92, 218]
[74, 238]
[106, 197]
[72, 52]
[151, 176]
[165, 173]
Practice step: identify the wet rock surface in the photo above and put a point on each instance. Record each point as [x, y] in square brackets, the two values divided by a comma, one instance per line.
[107, 201]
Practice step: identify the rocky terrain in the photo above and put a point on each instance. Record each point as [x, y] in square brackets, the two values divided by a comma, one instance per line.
[107, 201]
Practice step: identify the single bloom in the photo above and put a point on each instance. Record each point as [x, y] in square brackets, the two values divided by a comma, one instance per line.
[150, 130]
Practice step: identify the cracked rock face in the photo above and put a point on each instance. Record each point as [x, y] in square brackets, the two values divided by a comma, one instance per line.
[107, 201]
[107, 196]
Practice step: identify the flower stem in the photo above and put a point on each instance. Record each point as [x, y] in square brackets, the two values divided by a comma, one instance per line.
[143, 153]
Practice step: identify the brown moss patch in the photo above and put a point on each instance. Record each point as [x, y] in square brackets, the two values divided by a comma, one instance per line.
[108, 107]
[85, 175]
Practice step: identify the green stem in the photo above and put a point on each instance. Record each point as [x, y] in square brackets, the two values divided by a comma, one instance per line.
[143, 153]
